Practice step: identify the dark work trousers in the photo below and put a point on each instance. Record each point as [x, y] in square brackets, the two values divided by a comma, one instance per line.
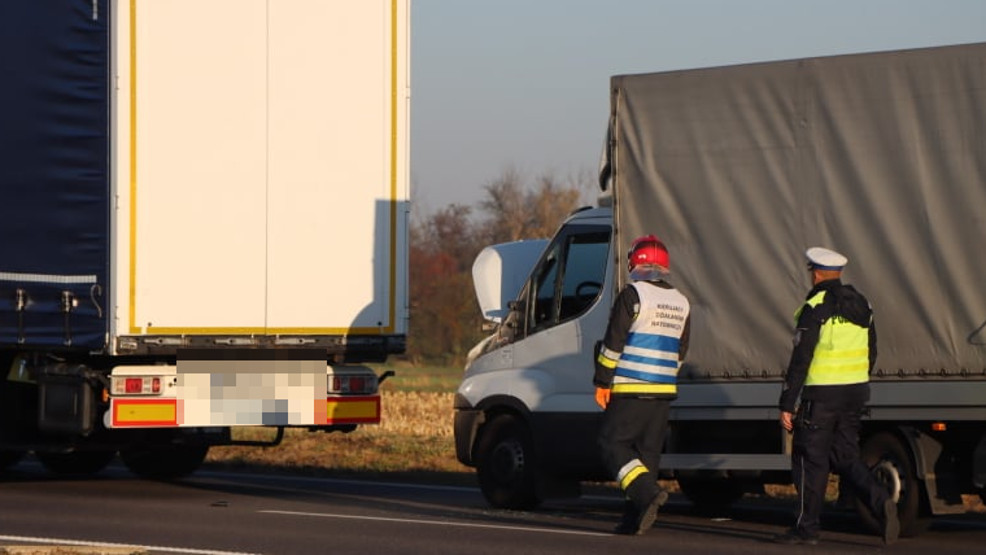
[826, 436]
[634, 428]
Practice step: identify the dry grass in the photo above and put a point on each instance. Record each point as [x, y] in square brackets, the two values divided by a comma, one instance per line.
[414, 437]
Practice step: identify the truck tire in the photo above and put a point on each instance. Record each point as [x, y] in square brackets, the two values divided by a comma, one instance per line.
[75, 463]
[165, 462]
[711, 495]
[506, 465]
[891, 462]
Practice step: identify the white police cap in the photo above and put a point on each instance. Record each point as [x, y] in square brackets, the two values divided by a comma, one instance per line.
[826, 259]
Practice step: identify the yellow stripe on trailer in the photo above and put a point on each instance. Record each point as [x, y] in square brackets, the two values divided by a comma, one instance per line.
[352, 410]
[145, 412]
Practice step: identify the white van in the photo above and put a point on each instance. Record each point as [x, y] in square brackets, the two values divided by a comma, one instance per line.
[524, 414]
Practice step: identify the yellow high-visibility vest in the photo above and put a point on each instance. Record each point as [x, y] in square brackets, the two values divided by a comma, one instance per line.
[842, 355]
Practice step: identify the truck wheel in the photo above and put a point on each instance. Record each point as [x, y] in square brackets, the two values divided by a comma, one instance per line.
[505, 466]
[890, 461]
[164, 463]
[75, 463]
[711, 494]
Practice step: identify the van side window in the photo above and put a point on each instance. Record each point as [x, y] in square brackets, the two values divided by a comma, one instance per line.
[542, 309]
[569, 277]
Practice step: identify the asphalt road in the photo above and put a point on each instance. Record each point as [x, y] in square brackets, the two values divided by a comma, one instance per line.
[234, 513]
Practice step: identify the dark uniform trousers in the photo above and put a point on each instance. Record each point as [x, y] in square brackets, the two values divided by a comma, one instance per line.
[826, 436]
[634, 428]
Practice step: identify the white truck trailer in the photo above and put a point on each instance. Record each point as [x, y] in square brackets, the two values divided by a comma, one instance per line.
[738, 170]
[204, 222]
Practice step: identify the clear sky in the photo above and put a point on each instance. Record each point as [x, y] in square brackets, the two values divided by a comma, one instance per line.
[523, 84]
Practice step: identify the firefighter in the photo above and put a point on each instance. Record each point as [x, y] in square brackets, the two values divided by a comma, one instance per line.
[834, 353]
[636, 371]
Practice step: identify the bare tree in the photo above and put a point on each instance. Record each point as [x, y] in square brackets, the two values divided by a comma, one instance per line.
[516, 212]
[549, 204]
[504, 205]
[445, 318]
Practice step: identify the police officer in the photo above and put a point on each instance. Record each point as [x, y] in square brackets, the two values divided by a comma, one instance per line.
[834, 353]
[636, 376]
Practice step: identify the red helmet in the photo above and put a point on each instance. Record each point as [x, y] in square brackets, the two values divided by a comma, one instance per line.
[647, 250]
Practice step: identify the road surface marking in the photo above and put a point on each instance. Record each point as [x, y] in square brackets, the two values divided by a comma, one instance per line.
[72, 542]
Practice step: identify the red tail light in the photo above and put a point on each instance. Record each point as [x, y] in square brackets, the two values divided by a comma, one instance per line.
[134, 385]
[138, 385]
[357, 385]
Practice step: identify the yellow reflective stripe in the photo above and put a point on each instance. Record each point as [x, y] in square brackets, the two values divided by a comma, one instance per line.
[644, 388]
[605, 362]
[348, 409]
[144, 412]
[631, 476]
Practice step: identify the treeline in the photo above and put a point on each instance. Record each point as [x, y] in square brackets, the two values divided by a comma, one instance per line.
[445, 317]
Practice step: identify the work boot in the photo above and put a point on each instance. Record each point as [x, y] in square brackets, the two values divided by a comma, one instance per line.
[891, 524]
[647, 515]
[795, 537]
[633, 521]
[628, 522]
[646, 497]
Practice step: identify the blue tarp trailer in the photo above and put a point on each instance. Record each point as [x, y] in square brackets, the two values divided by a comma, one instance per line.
[54, 173]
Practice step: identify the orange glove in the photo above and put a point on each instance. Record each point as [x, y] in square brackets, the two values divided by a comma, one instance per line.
[602, 397]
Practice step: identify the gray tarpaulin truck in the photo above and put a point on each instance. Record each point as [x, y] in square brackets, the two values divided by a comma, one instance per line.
[739, 169]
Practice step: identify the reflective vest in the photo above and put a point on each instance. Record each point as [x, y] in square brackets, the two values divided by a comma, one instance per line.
[649, 362]
[842, 355]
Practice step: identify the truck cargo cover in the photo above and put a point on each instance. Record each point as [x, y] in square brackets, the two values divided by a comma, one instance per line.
[880, 156]
[54, 172]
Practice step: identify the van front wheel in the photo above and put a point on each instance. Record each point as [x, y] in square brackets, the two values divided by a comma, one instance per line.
[506, 464]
